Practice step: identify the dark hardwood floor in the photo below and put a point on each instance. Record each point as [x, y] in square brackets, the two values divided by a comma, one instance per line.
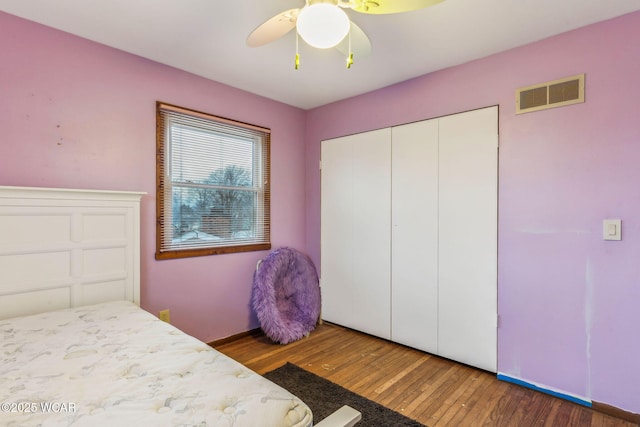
[427, 388]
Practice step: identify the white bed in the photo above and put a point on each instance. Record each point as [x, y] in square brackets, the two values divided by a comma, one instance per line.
[76, 350]
[113, 364]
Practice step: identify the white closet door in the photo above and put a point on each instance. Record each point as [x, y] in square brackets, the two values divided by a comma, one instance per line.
[356, 222]
[468, 238]
[336, 239]
[414, 259]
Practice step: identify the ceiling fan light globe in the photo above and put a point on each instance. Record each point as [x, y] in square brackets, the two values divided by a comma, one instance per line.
[322, 25]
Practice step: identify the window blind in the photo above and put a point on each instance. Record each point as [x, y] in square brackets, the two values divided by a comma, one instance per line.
[213, 184]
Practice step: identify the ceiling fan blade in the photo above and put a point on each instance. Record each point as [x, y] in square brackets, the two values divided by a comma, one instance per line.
[379, 7]
[360, 43]
[274, 28]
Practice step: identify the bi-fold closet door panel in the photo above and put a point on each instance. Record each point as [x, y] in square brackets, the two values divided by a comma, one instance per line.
[355, 232]
[337, 231]
[414, 255]
[468, 235]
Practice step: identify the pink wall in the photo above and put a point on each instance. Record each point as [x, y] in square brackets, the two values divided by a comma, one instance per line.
[78, 114]
[568, 300]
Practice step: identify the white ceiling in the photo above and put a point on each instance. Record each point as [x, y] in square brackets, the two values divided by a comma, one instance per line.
[207, 38]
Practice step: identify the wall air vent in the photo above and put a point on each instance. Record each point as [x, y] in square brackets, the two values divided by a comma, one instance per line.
[553, 94]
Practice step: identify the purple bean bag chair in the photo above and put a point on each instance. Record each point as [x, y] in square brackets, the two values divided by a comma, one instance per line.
[286, 295]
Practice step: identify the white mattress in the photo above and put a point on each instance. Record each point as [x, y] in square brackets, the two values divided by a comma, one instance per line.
[114, 364]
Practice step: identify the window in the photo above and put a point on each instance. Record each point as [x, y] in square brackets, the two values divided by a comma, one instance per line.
[212, 184]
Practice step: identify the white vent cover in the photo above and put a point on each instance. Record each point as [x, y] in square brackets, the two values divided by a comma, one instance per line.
[557, 93]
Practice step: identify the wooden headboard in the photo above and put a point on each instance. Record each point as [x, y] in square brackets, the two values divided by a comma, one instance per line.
[64, 248]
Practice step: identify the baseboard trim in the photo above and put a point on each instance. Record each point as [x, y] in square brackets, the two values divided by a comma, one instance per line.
[616, 412]
[253, 332]
[575, 399]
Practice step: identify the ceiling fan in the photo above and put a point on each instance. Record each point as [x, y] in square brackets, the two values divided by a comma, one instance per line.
[324, 24]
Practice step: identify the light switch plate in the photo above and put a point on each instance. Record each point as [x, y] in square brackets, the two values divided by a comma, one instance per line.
[612, 229]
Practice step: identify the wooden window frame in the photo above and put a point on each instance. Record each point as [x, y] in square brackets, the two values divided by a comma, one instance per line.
[162, 252]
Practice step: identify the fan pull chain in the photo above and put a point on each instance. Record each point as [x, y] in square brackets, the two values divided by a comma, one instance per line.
[297, 63]
[350, 57]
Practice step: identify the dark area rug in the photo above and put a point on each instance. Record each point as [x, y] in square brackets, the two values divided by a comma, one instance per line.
[325, 397]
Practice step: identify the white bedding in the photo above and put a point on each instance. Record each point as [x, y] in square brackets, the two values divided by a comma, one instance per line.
[114, 364]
